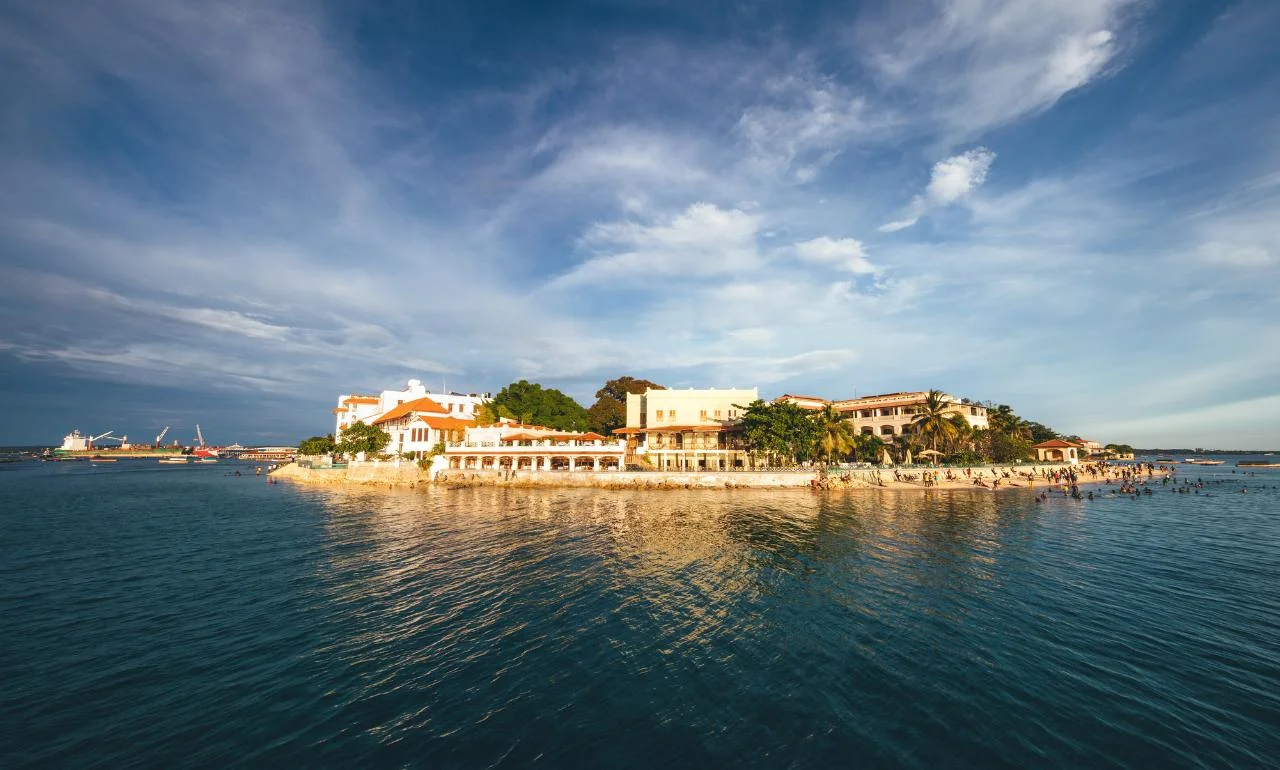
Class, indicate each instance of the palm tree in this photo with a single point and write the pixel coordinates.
(838, 437)
(868, 447)
(963, 438)
(932, 419)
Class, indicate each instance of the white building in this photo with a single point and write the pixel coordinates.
(511, 446)
(418, 426)
(355, 407)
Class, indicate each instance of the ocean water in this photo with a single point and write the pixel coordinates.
(156, 616)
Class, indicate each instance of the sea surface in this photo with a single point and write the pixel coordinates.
(165, 616)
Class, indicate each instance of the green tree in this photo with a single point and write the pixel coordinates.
(317, 445)
(619, 388)
(533, 404)
(932, 421)
(868, 447)
(610, 409)
(488, 413)
(606, 414)
(837, 434)
(360, 437)
(783, 432)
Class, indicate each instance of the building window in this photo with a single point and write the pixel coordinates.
(659, 414)
(702, 415)
(886, 430)
(717, 414)
(672, 414)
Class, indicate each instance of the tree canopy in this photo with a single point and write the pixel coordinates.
(531, 403)
(610, 409)
(317, 445)
(363, 438)
(781, 431)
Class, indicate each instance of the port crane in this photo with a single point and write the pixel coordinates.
(95, 438)
(199, 436)
(160, 438)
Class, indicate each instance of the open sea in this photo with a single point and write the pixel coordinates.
(178, 616)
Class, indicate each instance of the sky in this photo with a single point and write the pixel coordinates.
(230, 213)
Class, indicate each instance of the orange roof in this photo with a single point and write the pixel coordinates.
(522, 437)
(338, 410)
(448, 423)
(806, 398)
(410, 407)
(361, 400)
(1056, 443)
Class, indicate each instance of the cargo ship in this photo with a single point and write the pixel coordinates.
(76, 445)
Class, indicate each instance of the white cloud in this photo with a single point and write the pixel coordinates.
(844, 253)
(957, 176)
(801, 122)
(703, 240)
(952, 180)
(977, 64)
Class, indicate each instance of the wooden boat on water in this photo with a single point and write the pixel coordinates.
(1194, 461)
(1257, 464)
(102, 460)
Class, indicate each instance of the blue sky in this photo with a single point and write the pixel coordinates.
(228, 213)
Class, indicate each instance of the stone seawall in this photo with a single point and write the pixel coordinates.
(369, 474)
(409, 475)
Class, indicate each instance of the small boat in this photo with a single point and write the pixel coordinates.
(207, 460)
(1193, 461)
(102, 459)
(173, 460)
(1165, 460)
(1257, 464)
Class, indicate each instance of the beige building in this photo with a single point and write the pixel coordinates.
(1058, 451)
(686, 429)
(891, 414)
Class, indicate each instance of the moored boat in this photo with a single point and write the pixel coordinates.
(179, 460)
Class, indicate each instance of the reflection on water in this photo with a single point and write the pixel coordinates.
(284, 626)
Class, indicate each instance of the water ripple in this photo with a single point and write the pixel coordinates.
(191, 618)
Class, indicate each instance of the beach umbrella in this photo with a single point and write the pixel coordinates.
(886, 460)
(907, 461)
(930, 453)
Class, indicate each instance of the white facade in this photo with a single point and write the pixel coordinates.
(354, 407)
(510, 446)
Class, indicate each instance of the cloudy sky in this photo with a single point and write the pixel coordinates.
(228, 213)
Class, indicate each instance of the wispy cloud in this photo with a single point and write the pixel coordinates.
(220, 197)
(952, 179)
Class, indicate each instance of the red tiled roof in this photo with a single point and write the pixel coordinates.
(448, 423)
(411, 407)
(361, 400)
(1056, 443)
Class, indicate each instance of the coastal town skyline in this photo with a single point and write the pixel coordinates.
(226, 217)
